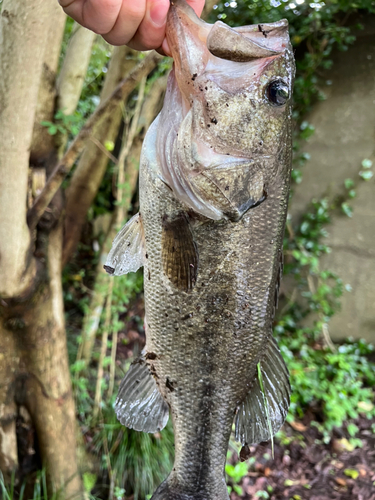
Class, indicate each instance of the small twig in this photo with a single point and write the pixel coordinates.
(104, 150)
(327, 337)
(291, 301)
(107, 455)
(311, 285)
(125, 152)
(103, 350)
(104, 109)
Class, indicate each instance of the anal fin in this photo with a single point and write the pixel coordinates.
(127, 250)
(253, 421)
(139, 404)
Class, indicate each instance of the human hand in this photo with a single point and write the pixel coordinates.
(140, 24)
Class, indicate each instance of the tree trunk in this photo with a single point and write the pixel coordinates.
(42, 142)
(22, 42)
(21, 47)
(74, 69)
(93, 162)
(34, 369)
(40, 378)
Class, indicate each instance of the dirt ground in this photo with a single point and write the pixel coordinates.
(308, 469)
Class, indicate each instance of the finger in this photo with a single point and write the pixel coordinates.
(197, 5)
(129, 18)
(96, 15)
(151, 31)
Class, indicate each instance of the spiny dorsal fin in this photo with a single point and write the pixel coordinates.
(179, 252)
(252, 424)
(139, 404)
(127, 250)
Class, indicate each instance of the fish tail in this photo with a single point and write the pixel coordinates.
(170, 489)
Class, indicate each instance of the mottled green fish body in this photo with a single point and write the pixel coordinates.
(214, 185)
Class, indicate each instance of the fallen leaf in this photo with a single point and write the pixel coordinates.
(353, 473)
(365, 406)
(340, 481)
(267, 471)
(298, 426)
(340, 445)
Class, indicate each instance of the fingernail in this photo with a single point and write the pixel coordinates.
(158, 13)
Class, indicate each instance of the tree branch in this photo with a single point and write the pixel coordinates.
(91, 167)
(65, 164)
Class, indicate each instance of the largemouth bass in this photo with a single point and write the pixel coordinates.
(214, 184)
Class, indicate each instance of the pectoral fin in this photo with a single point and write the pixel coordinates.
(139, 404)
(127, 250)
(179, 252)
(252, 422)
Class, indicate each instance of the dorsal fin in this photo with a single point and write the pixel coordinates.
(127, 250)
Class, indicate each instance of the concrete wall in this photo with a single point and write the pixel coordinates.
(345, 135)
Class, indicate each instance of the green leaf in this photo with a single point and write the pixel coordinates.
(109, 145)
(352, 429)
(346, 209)
(366, 163)
(353, 473)
(89, 481)
(349, 183)
(238, 489)
(366, 175)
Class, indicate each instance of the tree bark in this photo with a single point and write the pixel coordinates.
(39, 378)
(22, 42)
(42, 142)
(74, 69)
(49, 397)
(93, 162)
(9, 359)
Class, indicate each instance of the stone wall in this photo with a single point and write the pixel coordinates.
(345, 135)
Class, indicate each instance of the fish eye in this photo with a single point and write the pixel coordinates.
(277, 92)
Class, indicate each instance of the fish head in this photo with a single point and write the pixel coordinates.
(227, 112)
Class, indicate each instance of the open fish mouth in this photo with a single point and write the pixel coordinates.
(225, 126)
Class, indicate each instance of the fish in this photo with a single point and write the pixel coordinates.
(214, 184)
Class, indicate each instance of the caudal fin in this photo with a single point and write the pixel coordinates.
(170, 489)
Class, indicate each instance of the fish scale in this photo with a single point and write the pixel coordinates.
(213, 205)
